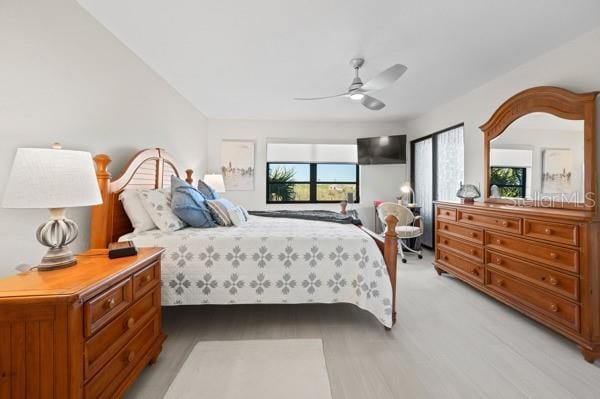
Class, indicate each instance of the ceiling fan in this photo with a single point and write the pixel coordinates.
(358, 91)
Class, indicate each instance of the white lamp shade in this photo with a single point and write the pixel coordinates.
(215, 182)
(51, 178)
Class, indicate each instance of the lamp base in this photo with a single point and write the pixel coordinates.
(57, 258)
(57, 233)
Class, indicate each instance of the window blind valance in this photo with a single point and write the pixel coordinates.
(314, 153)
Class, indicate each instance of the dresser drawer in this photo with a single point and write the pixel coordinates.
(443, 213)
(145, 280)
(555, 232)
(563, 258)
(464, 232)
(546, 304)
(554, 281)
(101, 309)
(491, 221)
(104, 384)
(467, 249)
(110, 339)
(464, 267)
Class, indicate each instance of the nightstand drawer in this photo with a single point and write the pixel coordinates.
(145, 280)
(110, 339)
(105, 383)
(100, 310)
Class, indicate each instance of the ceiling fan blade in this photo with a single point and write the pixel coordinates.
(323, 98)
(385, 78)
(372, 103)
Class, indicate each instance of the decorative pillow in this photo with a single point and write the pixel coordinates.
(158, 205)
(220, 210)
(189, 204)
(207, 191)
(245, 212)
(237, 215)
(139, 217)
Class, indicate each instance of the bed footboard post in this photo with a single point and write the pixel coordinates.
(99, 219)
(188, 176)
(390, 255)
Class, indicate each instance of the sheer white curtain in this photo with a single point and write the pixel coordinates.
(450, 160)
(423, 175)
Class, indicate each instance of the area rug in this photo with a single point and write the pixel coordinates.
(261, 369)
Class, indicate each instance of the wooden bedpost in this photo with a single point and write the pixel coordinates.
(99, 219)
(188, 176)
(390, 255)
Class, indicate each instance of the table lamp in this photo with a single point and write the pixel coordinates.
(215, 182)
(56, 179)
(406, 189)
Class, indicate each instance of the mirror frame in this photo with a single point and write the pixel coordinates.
(558, 102)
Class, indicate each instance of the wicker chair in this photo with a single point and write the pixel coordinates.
(409, 225)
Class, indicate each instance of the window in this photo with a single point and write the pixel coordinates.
(511, 181)
(311, 182)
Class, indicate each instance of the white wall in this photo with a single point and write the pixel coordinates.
(574, 66)
(65, 78)
(376, 181)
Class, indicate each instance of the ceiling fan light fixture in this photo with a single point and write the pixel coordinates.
(357, 96)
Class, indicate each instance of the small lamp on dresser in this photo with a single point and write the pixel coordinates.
(215, 181)
(55, 179)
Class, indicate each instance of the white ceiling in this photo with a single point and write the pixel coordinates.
(247, 59)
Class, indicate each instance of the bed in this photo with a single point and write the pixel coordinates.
(267, 260)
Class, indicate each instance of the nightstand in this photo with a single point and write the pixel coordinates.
(82, 331)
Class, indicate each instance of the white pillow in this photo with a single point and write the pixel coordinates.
(139, 217)
(158, 205)
(237, 215)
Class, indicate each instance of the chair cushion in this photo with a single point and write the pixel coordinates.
(189, 204)
(408, 231)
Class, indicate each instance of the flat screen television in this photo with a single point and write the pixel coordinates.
(382, 150)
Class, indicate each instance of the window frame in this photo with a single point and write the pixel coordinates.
(522, 186)
(313, 182)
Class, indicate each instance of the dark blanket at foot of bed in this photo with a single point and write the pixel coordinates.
(323, 216)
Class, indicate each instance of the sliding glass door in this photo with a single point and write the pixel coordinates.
(437, 168)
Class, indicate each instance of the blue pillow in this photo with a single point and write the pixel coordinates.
(189, 204)
(207, 191)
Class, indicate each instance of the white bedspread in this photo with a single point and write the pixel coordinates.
(271, 260)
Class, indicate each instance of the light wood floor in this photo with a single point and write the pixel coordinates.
(450, 342)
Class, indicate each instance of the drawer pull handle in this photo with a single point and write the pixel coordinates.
(446, 242)
(475, 272)
(548, 231)
(553, 307)
(553, 281)
(499, 241)
(445, 257)
(147, 278)
(473, 252)
(469, 217)
(447, 213)
(500, 282)
(130, 323)
(504, 223)
(110, 303)
(473, 234)
(445, 227)
(498, 261)
(131, 356)
(553, 255)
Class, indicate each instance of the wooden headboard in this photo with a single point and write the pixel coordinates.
(151, 168)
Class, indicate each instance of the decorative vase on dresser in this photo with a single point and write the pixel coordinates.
(82, 332)
(536, 247)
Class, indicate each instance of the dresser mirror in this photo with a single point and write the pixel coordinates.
(539, 156)
(539, 150)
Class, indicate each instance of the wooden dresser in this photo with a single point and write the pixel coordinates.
(534, 243)
(81, 332)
